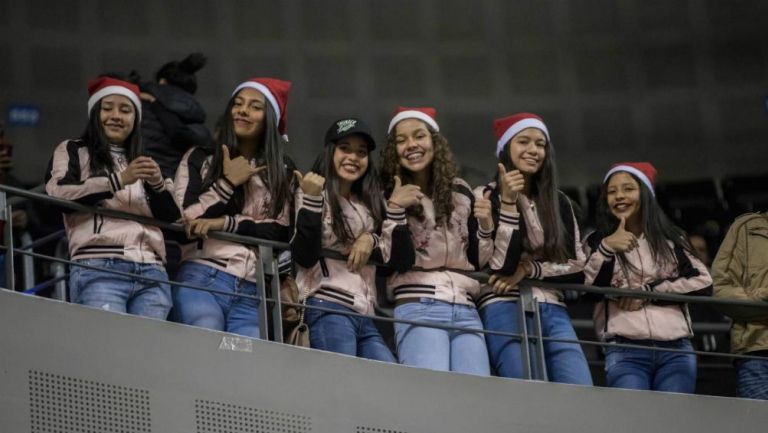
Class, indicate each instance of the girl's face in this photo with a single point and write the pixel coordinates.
(350, 158)
(248, 113)
(623, 193)
(527, 150)
(117, 117)
(414, 146)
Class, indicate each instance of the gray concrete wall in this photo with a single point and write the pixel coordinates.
(68, 368)
(682, 83)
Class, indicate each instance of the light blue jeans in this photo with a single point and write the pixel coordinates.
(101, 289)
(753, 378)
(565, 362)
(351, 335)
(216, 311)
(437, 349)
(650, 369)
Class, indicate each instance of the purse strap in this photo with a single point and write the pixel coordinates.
(303, 302)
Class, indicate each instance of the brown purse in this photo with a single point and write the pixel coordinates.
(296, 330)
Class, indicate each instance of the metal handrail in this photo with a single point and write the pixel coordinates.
(267, 245)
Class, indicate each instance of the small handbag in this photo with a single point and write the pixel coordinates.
(296, 330)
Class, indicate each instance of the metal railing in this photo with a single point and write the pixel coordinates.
(271, 306)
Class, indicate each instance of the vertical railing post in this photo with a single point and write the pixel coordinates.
(7, 215)
(534, 361)
(59, 270)
(28, 262)
(525, 344)
(267, 256)
(262, 292)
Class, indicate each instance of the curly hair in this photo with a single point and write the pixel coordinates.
(443, 171)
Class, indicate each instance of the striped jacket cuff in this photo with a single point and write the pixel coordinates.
(512, 218)
(158, 187)
(312, 203)
(230, 224)
(484, 234)
(606, 251)
(396, 214)
(536, 270)
(223, 188)
(115, 183)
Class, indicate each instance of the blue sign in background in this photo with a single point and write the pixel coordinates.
(23, 115)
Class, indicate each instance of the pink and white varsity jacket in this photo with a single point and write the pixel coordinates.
(328, 278)
(456, 244)
(246, 210)
(92, 235)
(510, 230)
(657, 320)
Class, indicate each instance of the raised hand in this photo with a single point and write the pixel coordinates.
(200, 227)
(237, 171)
(621, 240)
(141, 168)
(405, 196)
(360, 252)
(311, 183)
(482, 211)
(511, 184)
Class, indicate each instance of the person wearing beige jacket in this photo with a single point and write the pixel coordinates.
(740, 271)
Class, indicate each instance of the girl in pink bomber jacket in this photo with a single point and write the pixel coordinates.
(105, 168)
(438, 209)
(340, 207)
(636, 247)
(242, 187)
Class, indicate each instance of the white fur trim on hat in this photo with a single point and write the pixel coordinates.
(114, 90)
(264, 90)
(639, 174)
(412, 114)
(516, 128)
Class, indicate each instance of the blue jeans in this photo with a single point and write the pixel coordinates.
(565, 362)
(111, 292)
(753, 378)
(650, 369)
(216, 311)
(355, 336)
(437, 349)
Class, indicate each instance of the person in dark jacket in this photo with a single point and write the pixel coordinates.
(174, 121)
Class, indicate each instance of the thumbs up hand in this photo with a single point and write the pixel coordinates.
(511, 184)
(311, 183)
(237, 171)
(405, 196)
(621, 240)
(482, 211)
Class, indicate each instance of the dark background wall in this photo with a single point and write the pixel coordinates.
(680, 83)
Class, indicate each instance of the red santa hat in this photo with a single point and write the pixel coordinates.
(644, 171)
(105, 86)
(508, 127)
(276, 93)
(425, 114)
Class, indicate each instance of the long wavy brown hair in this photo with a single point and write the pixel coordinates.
(443, 171)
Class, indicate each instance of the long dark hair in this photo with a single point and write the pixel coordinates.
(270, 153)
(545, 195)
(367, 188)
(658, 229)
(97, 143)
(443, 171)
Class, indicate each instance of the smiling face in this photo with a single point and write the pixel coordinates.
(117, 116)
(248, 113)
(415, 149)
(350, 158)
(527, 150)
(623, 195)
